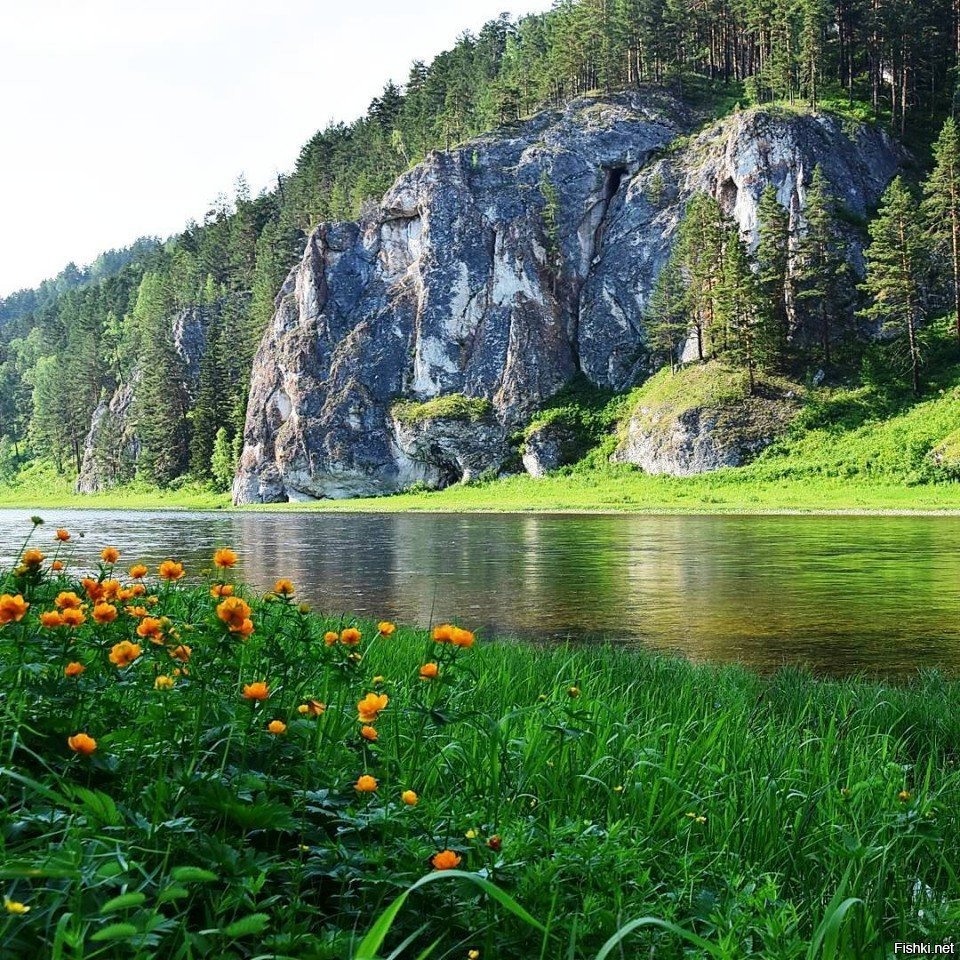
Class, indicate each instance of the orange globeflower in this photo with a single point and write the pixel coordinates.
(32, 559)
(233, 611)
(256, 691)
(73, 669)
(370, 706)
(73, 617)
(312, 708)
(277, 727)
(81, 743)
(429, 671)
(124, 653)
(443, 633)
(445, 860)
(284, 588)
(110, 589)
(246, 629)
(366, 784)
(150, 628)
(386, 628)
(163, 683)
(461, 638)
(138, 571)
(181, 653)
(220, 590)
(51, 619)
(93, 588)
(138, 590)
(12, 608)
(330, 638)
(369, 733)
(57, 565)
(110, 555)
(410, 798)
(171, 570)
(67, 600)
(224, 558)
(350, 637)
(62, 535)
(104, 613)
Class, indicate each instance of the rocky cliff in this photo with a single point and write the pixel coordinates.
(498, 272)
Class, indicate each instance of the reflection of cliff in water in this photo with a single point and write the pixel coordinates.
(841, 594)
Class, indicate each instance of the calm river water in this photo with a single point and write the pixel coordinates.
(841, 594)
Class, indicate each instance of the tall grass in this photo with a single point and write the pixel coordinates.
(602, 803)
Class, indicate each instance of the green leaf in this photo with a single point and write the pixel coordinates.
(248, 926)
(371, 943)
(116, 931)
(192, 875)
(124, 901)
(712, 949)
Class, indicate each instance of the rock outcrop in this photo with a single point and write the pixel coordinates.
(500, 271)
(703, 418)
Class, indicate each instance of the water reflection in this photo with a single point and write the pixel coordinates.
(880, 594)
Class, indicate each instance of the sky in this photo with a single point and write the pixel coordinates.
(126, 118)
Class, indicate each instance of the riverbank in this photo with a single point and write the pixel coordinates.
(610, 490)
(259, 798)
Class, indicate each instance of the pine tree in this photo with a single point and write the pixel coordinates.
(161, 405)
(222, 465)
(896, 272)
(773, 277)
(942, 207)
(739, 298)
(821, 267)
(665, 317)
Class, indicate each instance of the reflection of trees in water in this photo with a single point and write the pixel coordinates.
(836, 592)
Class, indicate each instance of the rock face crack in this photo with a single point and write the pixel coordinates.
(454, 287)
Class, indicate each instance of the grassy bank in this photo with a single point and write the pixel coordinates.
(558, 795)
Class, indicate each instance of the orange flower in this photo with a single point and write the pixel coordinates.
(495, 843)
(233, 611)
(429, 671)
(57, 565)
(138, 590)
(164, 683)
(366, 784)
(110, 589)
(445, 860)
(219, 590)
(461, 638)
(246, 628)
(81, 743)
(386, 628)
(256, 691)
(181, 653)
(370, 706)
(150, 628)
(312, 708)
(12, 608)
(350, 637)
(104, 613)
(110, 555)
(443, 633)
(124, 653)
(32, 559)
(51, 619)
(171, 570)
(277, 727)
(138, 571)
(73, 617)
(68, 600)
(224, 558)
(73, 669)
(137, 612)
(330, 638)
(369, 733)
(409, 798)
(284, 588)
(62, 535)
(93, 589)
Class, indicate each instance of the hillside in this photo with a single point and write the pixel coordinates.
(581, 258)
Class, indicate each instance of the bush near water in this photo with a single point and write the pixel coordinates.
(188, 770)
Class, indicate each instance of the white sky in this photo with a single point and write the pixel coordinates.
(124, 118)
